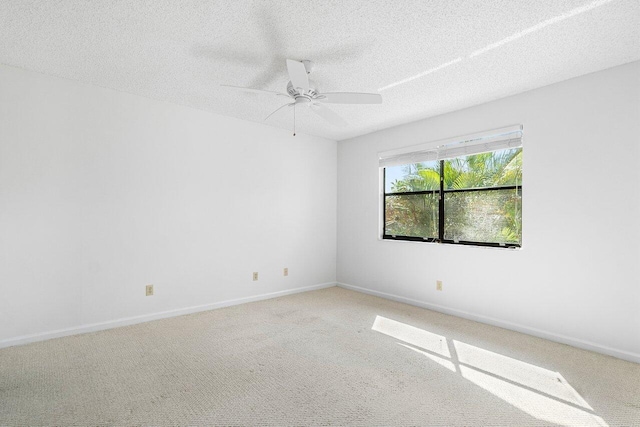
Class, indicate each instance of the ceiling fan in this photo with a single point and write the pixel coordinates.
(301, 92)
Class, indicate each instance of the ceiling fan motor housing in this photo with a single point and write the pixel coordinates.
(311, 93)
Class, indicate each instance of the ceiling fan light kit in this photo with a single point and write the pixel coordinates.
(300, 91)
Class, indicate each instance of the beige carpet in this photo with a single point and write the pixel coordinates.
(328, 357)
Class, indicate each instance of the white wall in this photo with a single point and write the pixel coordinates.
(102, 192)
(577, 277)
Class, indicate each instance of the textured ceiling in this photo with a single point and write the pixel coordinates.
(425, 57)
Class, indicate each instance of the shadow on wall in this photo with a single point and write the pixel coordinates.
(541, 393)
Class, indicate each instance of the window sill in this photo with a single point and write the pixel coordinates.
(450, 243)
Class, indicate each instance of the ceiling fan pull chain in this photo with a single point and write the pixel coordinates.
(294, 119)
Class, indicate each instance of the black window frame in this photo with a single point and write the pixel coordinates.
(441, 212)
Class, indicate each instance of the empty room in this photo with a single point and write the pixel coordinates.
(292, 213)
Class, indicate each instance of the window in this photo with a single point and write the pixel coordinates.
(466, 192)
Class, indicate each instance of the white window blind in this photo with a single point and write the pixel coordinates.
(493, 140)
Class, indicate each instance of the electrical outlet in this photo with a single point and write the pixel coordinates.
(149, 290)
(285, 272)
(255, 276)
(438, 285)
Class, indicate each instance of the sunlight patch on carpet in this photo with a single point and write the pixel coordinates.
(539, 392)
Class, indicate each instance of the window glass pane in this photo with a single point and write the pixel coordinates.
(423, 176)
(412, 215)
(483, 216)
(491, 169)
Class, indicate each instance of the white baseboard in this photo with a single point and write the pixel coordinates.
(563, 339)
(93, 327)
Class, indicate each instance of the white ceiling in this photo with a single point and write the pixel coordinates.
(461, 53)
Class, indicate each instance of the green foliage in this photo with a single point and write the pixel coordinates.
(484, 170)
(494, 216)
(414, 215)
(418, 177)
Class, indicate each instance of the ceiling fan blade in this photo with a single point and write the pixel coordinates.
(251, 90)
(298, 74)
(329, 115)
(278, 109)
(351, 98)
